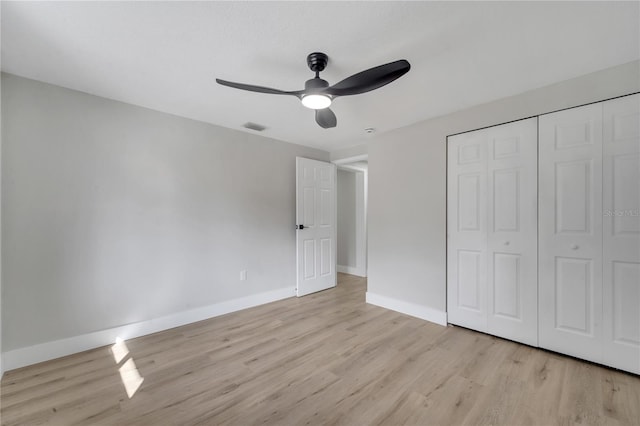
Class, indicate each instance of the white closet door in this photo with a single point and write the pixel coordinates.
(570, 232)
(512, 268)
(467, 230)
(492, 223)
(621, 254)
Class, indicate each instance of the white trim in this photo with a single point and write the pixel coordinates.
(50, 350)
(360, 269)
(335, 225)
(351, 270)
(418, 311)
(361, 222)
(353, 159)
(361, 177)
(350, 168)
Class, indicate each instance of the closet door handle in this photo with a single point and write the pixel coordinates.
(575, 247)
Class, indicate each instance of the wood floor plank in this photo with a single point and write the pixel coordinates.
(324, 359)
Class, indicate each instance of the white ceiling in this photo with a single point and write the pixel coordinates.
(166, 55)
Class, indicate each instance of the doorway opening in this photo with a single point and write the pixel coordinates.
(352, 189)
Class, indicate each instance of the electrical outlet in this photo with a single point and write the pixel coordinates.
(243, 275)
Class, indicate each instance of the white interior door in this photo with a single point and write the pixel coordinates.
(621, 236)
(315, 225)
(570, 232)
(512, 269)
(467, 230)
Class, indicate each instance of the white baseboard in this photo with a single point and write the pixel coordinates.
(418, 311)
(50, 350)
(351, 270)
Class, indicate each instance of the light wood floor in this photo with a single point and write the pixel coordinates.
(327, 358)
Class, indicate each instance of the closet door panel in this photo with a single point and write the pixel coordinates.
(621, 236)
(512, 231)
(492, 239)
(570, 232)
(466, 229)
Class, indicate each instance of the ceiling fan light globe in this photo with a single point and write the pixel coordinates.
(315, 101)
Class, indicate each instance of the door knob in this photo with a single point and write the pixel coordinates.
(299, 226)
(506, 243)
(575, 247)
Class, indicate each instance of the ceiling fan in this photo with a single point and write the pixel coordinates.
(317, 93)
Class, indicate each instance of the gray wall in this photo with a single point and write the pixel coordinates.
(346, 244)
(353, 151)
(114, 214)
(407, 183)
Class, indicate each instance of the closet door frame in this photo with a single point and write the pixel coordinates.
(615, 345)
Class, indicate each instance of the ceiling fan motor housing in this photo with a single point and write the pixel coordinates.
(315, 85)
(317, 61)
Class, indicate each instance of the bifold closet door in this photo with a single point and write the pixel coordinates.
(467, 230)
(589, 288)
(570, 231)
(492, 224)
(621, 233)
(512, 240)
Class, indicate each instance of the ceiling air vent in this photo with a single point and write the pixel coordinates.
(254, 126)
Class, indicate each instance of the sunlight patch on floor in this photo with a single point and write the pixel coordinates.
(130, 377)
(119, 350)
(129, 374)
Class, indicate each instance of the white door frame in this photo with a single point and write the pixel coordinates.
(361, 219)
